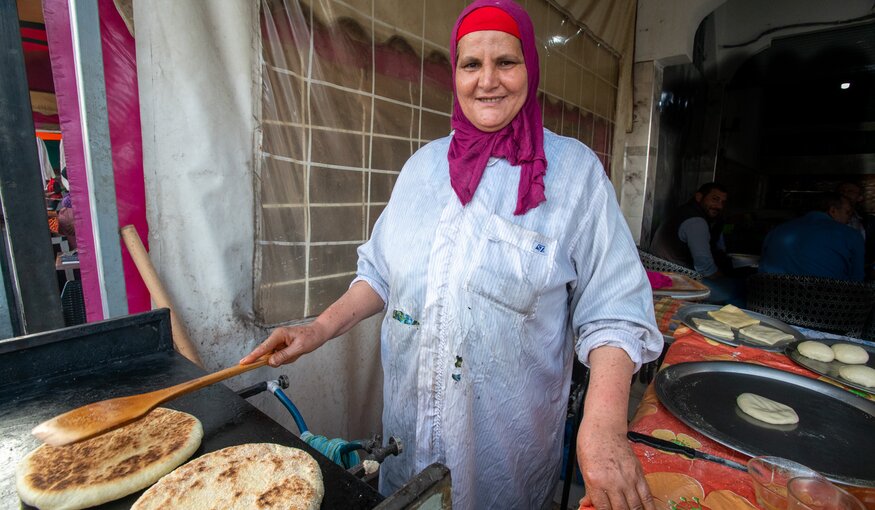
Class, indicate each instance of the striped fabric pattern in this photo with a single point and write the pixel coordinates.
(480, 381)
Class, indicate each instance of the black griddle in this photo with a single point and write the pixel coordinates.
(833, 436)
(46, 374)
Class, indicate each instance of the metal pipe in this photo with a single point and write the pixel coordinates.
(97, 152)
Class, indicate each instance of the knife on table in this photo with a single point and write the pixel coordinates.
(686, 451)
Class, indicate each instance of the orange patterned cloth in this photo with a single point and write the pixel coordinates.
(681, 483)
(665, 308)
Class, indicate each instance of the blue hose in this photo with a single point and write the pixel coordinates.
(340, 451)
(296, 415)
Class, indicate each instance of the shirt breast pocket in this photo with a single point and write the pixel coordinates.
(511, 265)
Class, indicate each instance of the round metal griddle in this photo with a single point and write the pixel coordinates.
(831, 369)
(833, 436)
(687, 313)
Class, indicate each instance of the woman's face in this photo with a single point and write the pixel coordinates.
(491, 78)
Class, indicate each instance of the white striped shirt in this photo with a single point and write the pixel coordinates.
(480, 381)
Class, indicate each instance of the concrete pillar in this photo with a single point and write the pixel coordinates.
(641, 151)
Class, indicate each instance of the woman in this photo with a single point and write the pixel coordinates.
(500, 245)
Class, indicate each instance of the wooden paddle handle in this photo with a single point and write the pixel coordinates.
(159, 294)
(201, 382)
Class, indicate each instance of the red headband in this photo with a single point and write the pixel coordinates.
(488, 18)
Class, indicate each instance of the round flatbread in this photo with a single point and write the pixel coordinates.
(850, 354)
(258, 475)
(109, 466)
(766, 409)
(816, 350)
(859, 374)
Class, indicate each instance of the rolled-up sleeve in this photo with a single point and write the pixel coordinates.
(612, 302)
(372, 268)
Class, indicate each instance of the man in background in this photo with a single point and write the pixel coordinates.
(818, 244)
(854, 193)
(693, 237)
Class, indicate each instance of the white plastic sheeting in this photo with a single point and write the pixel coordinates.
(198, 65)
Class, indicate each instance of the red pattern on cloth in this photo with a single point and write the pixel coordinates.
(665, 308)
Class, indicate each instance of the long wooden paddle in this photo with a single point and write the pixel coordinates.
(94, 419)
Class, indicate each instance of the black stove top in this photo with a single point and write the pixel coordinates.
(47, 374)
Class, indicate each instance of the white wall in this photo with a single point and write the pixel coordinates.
(739, 21)
(666, 28)
(198, 82)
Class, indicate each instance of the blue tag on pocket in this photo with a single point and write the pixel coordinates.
(540, 248)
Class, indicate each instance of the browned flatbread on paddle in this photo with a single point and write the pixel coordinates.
(257, 475)
(109, 466)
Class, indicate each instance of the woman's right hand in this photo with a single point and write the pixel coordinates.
(289, 343)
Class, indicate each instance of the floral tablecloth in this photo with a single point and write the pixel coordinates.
(679, 482)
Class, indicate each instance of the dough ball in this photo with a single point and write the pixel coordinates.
(767, 410)
(859, 374)
(850, 354)
(816, 351)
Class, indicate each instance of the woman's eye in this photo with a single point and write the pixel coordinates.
(470, 65)
(507, 63)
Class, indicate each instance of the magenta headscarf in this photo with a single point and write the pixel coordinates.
(521, 142)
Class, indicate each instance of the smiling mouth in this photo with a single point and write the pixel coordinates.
(490, 99)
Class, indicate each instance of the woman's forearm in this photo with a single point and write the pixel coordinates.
(355, 305)
(607, 398)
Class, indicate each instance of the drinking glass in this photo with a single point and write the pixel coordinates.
(819, 494)
(770, 476)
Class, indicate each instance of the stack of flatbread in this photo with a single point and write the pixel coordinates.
(729, 318)
(257, 475)
(733, 317)
(765, 334)
(712, 327)
(109, 466)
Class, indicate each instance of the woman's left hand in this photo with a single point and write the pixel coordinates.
(612, 474)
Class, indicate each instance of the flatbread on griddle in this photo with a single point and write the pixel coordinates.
(257, 475)
(733, 317)
(109, 466)
(766, 409)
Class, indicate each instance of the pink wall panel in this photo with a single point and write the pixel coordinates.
(127, 153)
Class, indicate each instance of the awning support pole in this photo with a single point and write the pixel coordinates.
(97, 150)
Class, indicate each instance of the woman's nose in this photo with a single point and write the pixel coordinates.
(489, 77)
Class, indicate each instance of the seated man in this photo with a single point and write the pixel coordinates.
(817, 244)
(693, 237)
(854, 193)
